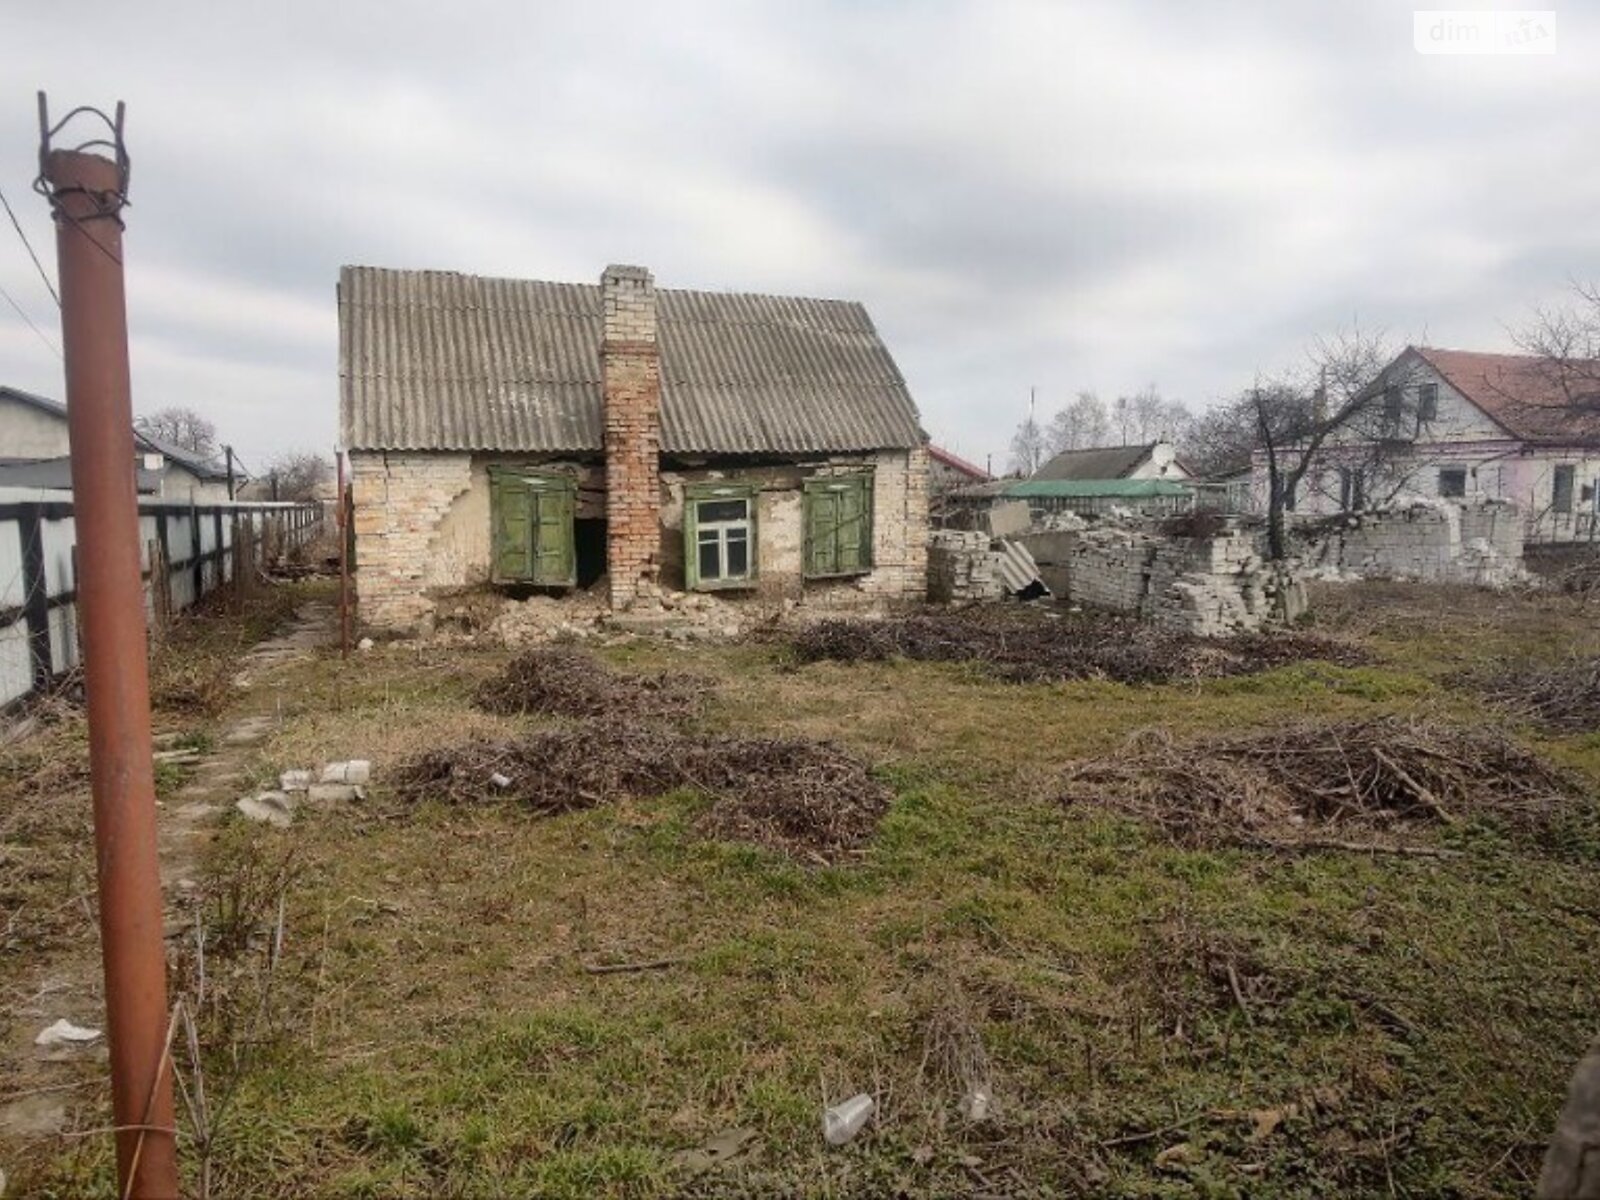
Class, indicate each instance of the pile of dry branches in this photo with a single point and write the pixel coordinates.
(1304, 784)
(1563, 696)
(565, 682)
(811, 799)
(1032, 645)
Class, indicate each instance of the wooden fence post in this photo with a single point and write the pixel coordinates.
(36, 597)
(197, 562)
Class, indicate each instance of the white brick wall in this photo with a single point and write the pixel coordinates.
(399, 501)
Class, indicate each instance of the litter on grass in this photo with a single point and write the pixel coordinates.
(813, 800)
(559, 681)
(1034, 645)
(64, 1031)
(843, 1121)
(270, 808)
(1298, 782)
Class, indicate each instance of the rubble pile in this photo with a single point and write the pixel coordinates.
(581, 615)
(542, 618)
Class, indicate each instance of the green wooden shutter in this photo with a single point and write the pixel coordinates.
(554, 558)
(822, 529)
(691, 542)
(855, 530)
(511, 506)
(838, 525)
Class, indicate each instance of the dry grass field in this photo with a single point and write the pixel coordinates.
(473, 995)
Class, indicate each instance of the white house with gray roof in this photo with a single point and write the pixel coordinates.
(535, 436)
(35, 453)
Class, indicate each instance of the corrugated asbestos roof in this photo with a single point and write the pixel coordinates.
(1090, 488)
(1099, 462)
(434, 360)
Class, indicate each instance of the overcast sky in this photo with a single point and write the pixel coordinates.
(1064, 196)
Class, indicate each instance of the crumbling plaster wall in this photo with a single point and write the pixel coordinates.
(423, 527)
(398, 502)
(899, 527)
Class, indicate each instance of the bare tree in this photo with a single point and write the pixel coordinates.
(1146, 414)
(1079, 425)
(1567, 341)
(1355, 409)
(1028, 447)
(1219, 440)
(181, 427)
(1122, 418)
(1176, 420)
(296, 474)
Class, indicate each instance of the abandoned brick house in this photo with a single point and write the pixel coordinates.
(547, 436)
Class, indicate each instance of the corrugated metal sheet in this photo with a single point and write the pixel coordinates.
(433, 360)
(1017, 568)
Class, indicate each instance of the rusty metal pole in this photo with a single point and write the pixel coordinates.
(344, 558)
(94, 330)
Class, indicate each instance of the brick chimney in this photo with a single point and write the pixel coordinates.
(630, 373)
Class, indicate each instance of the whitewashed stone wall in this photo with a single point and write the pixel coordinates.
(1432, 541)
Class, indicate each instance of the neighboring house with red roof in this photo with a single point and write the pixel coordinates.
(1477, 427)
(947, 471)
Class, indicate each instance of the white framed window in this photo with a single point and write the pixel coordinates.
(719, 536)
(1427, 402)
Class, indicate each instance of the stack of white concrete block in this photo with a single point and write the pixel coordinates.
(1207, 586)
(962, 566)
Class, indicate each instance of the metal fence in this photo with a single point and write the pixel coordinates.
(38, 576)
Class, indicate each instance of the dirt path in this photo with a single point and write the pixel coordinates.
(219, 778)
(44, 1086)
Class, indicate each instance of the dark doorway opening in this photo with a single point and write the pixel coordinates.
(589, 542)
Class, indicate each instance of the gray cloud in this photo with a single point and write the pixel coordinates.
(1023, 193)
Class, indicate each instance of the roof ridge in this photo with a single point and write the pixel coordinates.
(722, 293)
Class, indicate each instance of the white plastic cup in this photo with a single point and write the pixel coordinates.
(842, 1122)
(975, 1104)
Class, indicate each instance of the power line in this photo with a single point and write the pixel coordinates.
(29, 321)
(79, 224)
(27, 245)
